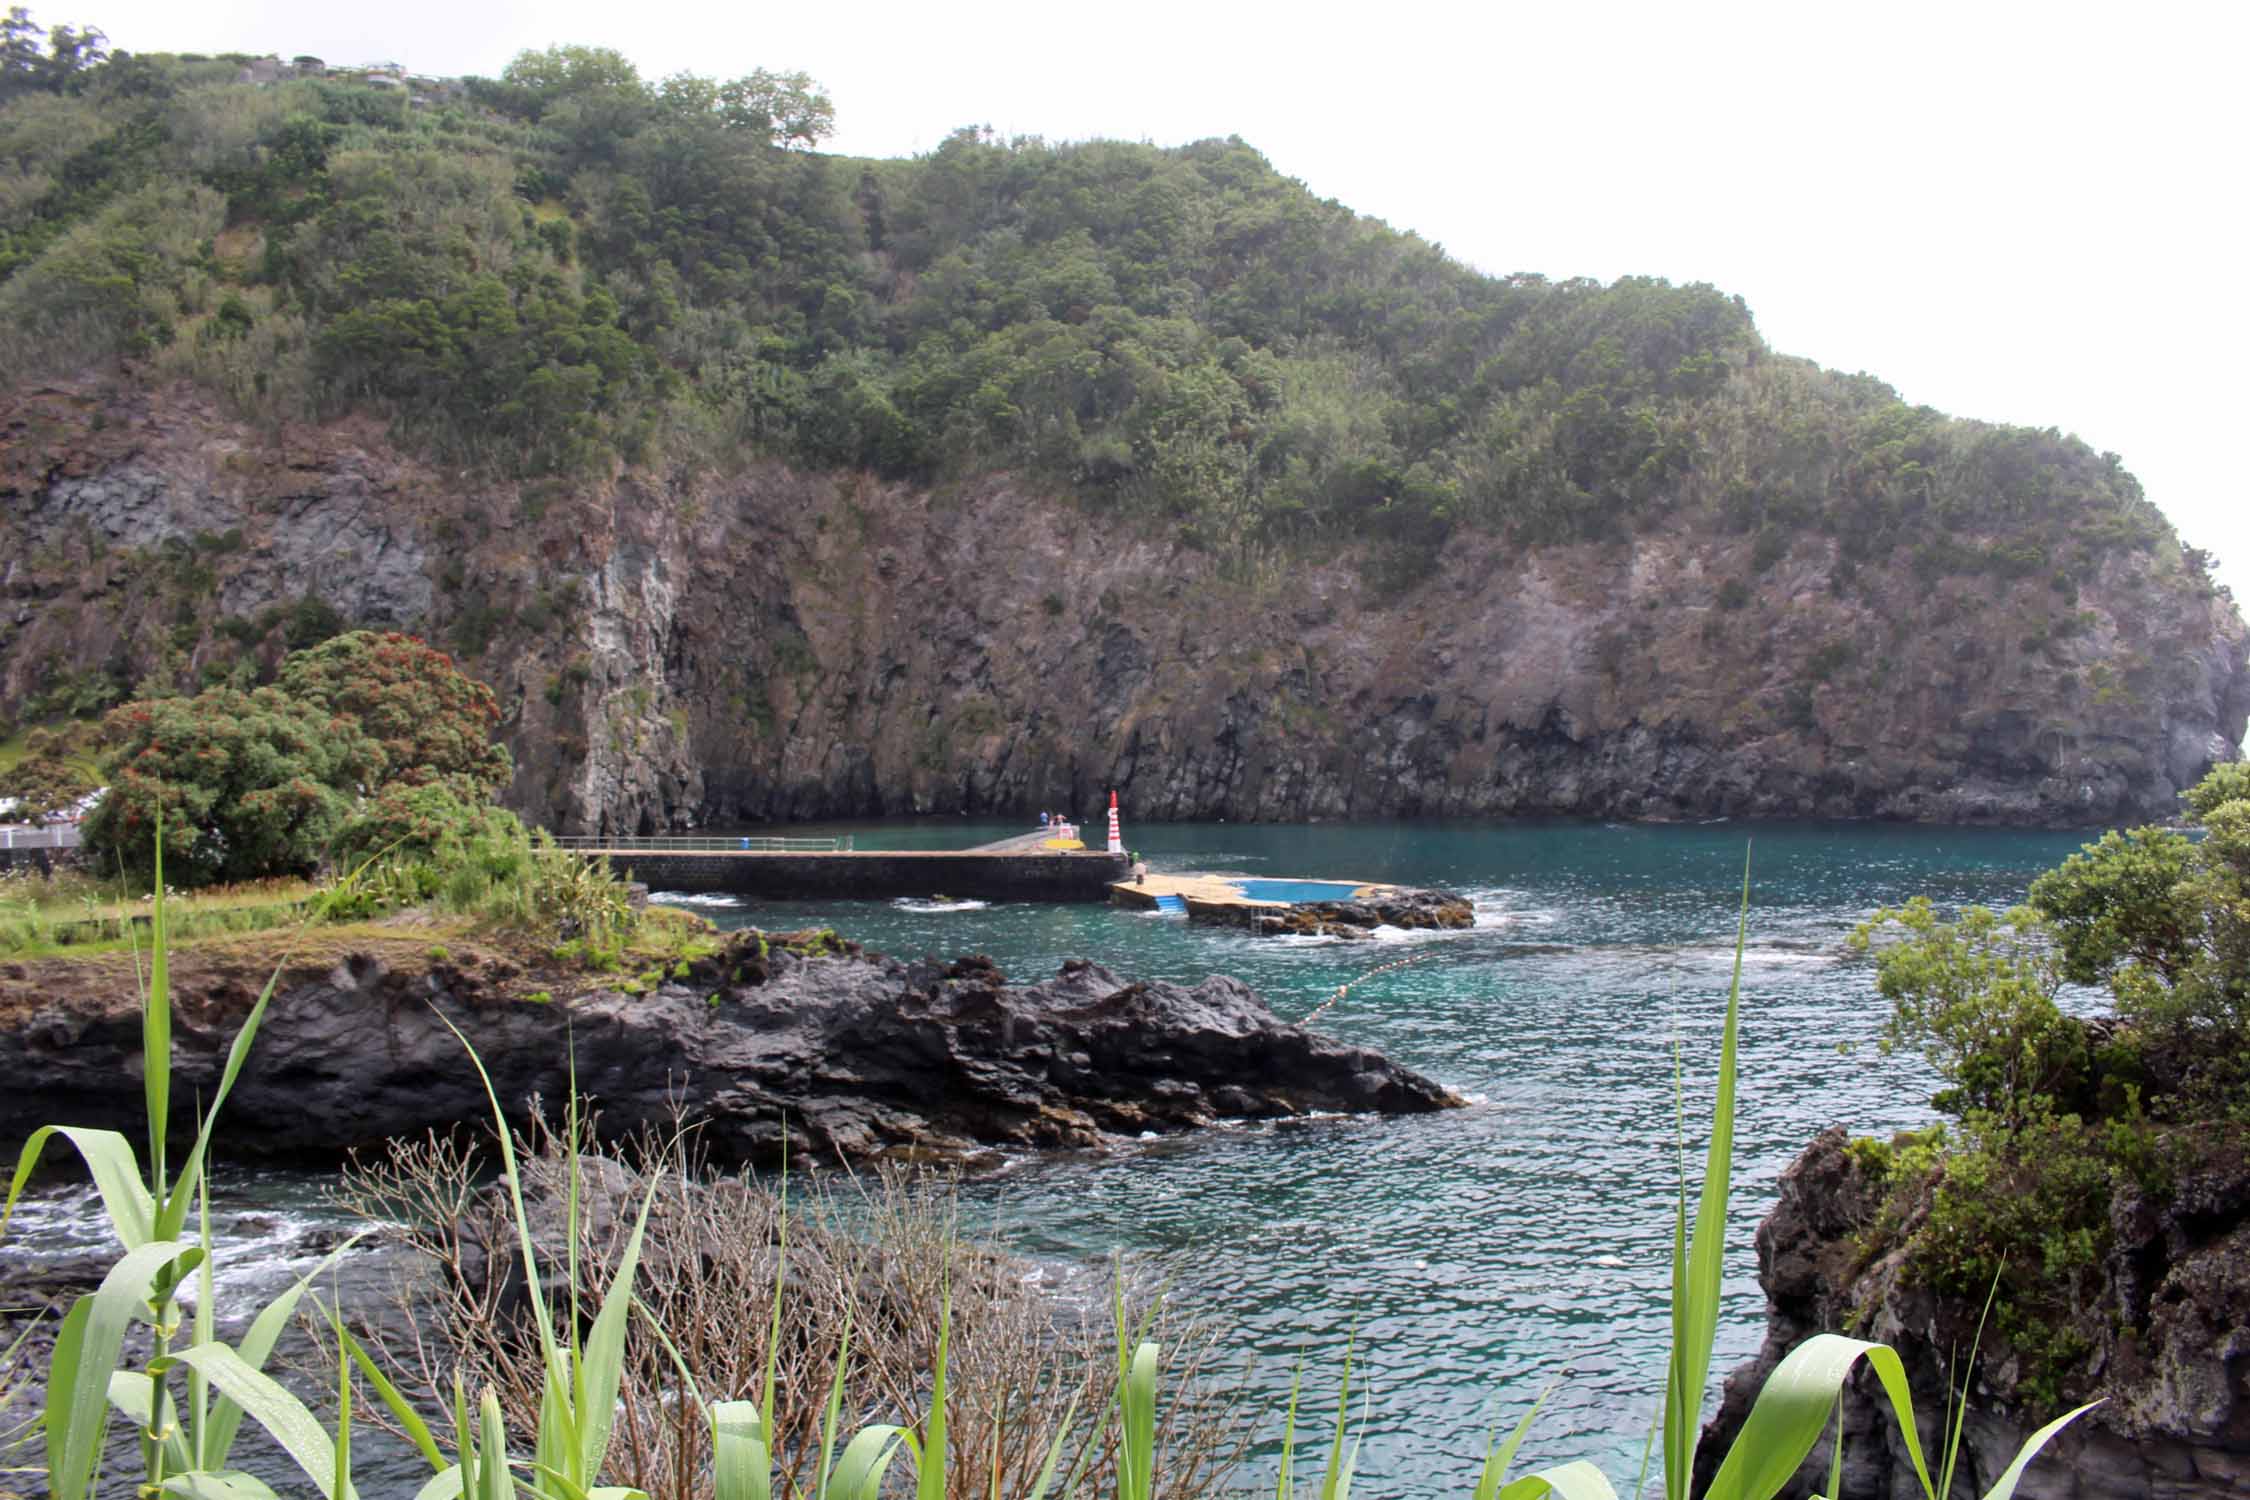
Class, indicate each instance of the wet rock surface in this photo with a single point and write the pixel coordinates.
(2172, 1360)
(841, 1055)
(1408, 909)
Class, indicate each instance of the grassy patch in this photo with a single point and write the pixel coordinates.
(70, 914)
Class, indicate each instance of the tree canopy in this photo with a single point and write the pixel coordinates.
(27, 67)
(431, 722)
(244, 785)
(372, 742)
(2160, 917)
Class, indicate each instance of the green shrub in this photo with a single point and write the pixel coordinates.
(1977, 997)
(1772, 546)
(1830, 659)
(444, 823)
(246, 785)
(110, 287)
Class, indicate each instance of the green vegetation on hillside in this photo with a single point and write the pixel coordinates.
(44, 770)
(571, 267)
(2052, 1118)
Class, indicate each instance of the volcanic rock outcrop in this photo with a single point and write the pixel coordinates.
(1357, 918)
(838, 1054)
(2173, 1360)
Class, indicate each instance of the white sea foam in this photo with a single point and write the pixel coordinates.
(1780, 958)
(1413, 936)
(917, 903)
(683, 898)
(1501, 907)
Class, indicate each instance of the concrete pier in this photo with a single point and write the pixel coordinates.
(870, 875)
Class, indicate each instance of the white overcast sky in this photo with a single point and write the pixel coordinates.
(2022, 212)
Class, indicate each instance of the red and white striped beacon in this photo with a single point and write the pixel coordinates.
(1116, 839)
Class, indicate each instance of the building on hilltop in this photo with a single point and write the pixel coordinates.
(271, 69)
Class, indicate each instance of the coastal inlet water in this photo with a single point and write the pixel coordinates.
(1479, 1254)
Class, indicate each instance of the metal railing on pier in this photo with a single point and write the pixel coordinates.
(55, 836)
(704, 844)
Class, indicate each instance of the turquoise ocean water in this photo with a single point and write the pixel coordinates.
(1484, 1253)
(1481, 1253)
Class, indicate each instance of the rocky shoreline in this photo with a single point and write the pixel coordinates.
(834, 1054)
(1355, 919)
(2173, 1369)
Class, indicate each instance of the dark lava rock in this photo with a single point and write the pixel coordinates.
(1412, 909)
(2173, 1362)
(839, 1054)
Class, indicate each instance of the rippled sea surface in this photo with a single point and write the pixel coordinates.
(1480, 1254)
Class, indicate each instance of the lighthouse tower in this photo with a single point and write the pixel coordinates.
(1116, 839)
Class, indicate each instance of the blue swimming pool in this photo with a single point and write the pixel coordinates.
(1295, 890)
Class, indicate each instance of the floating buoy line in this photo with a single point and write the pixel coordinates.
(1346, 987)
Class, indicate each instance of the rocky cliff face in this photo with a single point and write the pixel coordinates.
(680, 649)
(2173, 1365)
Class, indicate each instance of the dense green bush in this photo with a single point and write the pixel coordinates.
(52, 774)
(117, 284)
(443, 824)
(433, 723)
(1976, 996)
(2052, 1116)
(373, 745)
(244, 785)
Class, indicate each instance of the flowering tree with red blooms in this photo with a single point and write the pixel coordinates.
(433, 723)
(246, 785)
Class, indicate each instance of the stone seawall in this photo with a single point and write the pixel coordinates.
(877, 876)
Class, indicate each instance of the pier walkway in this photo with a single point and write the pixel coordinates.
(717, 865)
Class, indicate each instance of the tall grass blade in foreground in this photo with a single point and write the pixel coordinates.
(1806, 1390)
(1498, 1455)
(182, 1452)
(1696, 1265)
(579, 1392)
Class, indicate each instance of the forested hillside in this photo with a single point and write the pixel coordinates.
(572, 289)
